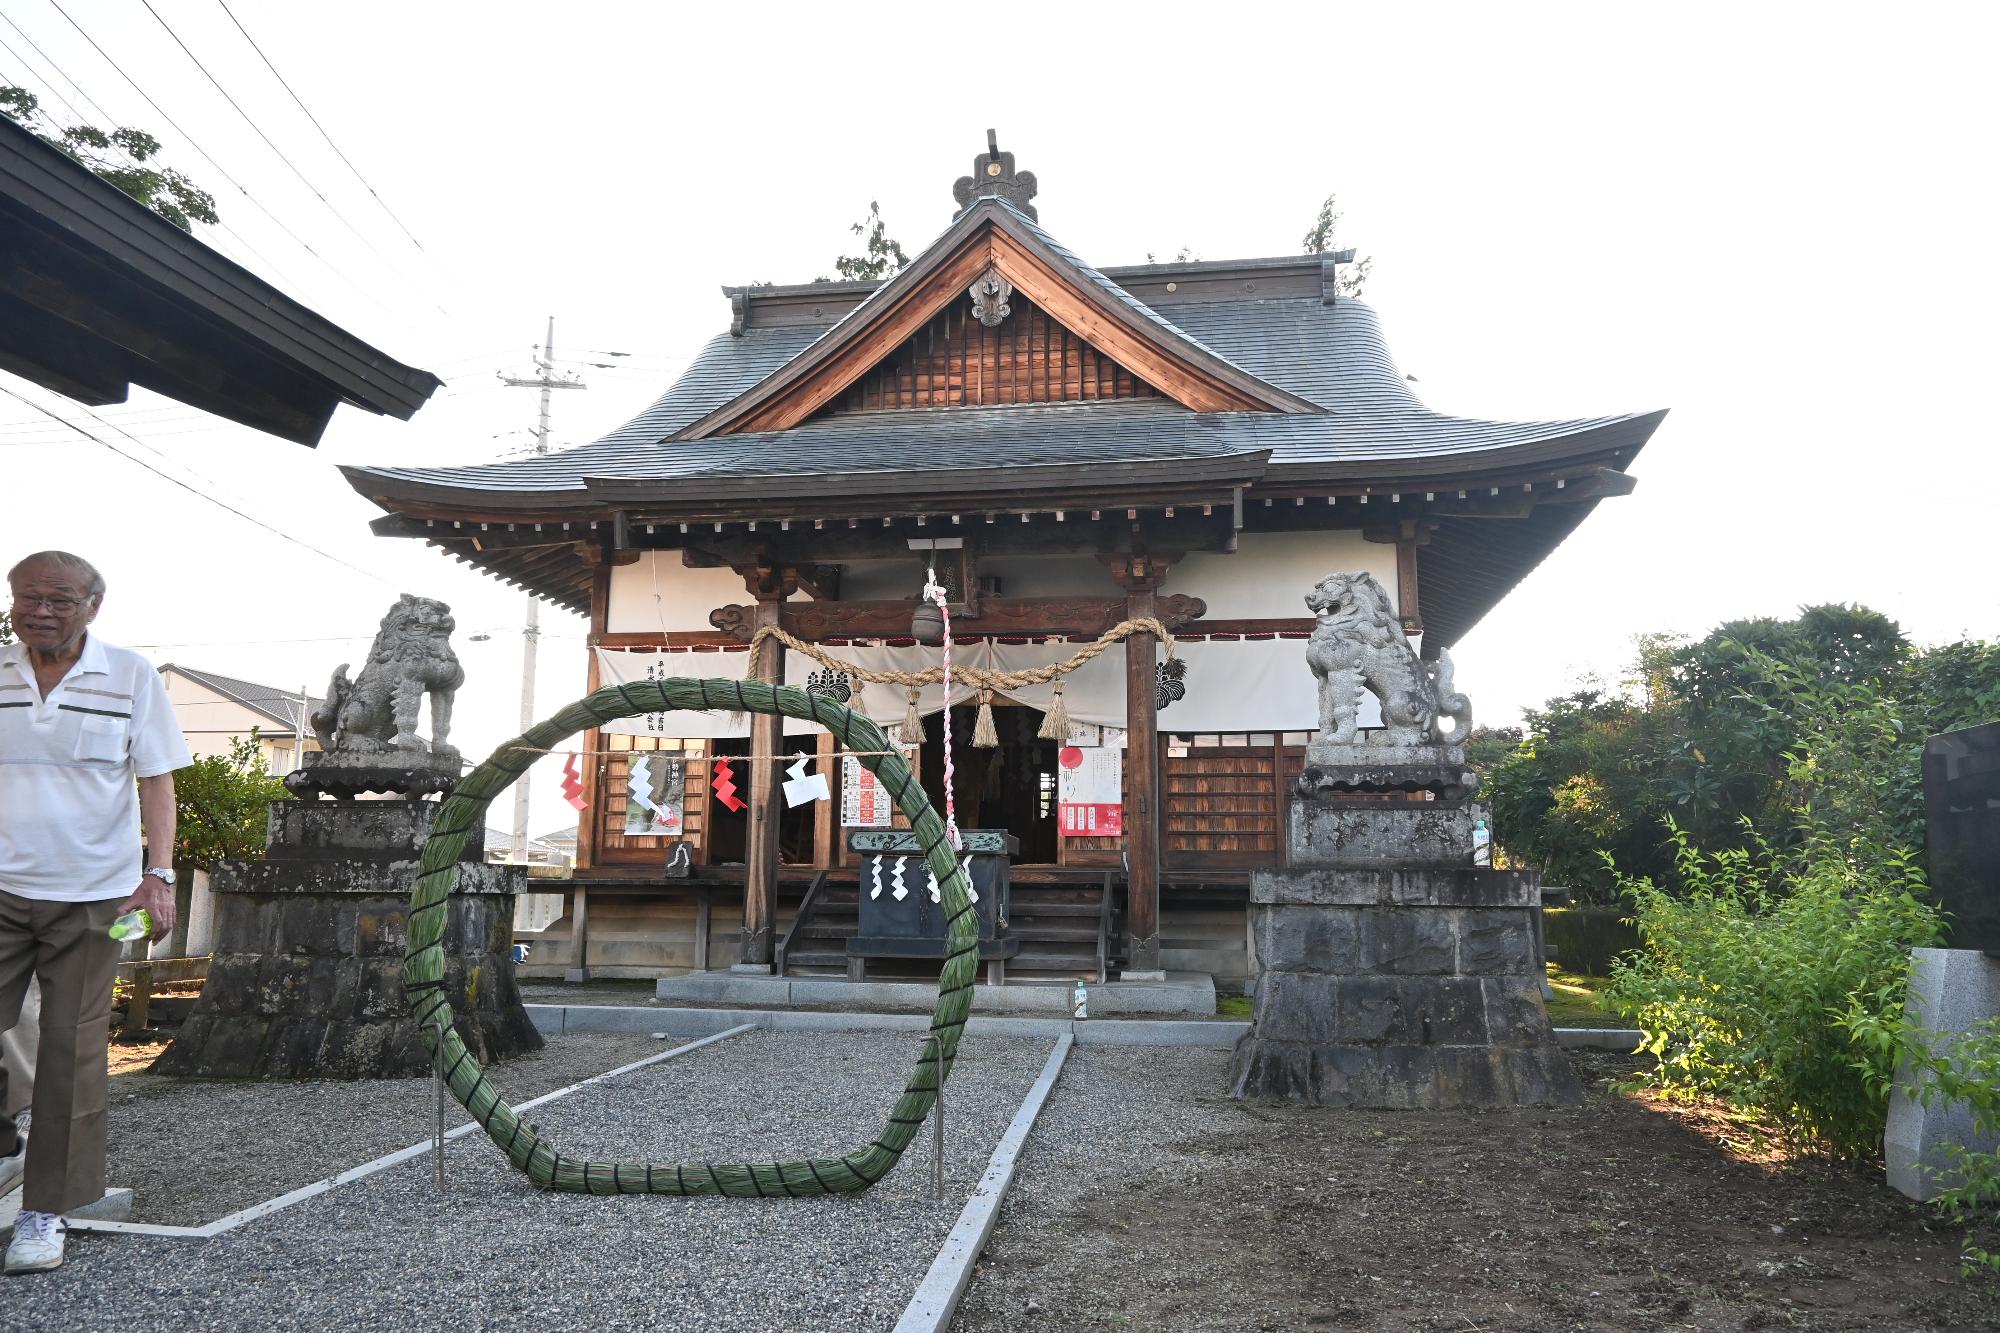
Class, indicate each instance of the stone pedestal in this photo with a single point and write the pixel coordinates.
(306, 978)
(1395, 972)
(1951, 991)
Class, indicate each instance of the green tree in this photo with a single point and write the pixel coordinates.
(881, 253)
(162, 189)
(221, 803)
(1319, 239)
(6, 627)
(1799, 728)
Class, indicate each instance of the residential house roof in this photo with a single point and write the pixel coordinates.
(280, 706)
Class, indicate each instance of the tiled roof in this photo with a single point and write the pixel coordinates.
(1333, 356)
(281, 706)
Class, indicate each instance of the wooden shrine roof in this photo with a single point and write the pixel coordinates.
(1371, 426)
(1316, 411)
(98, 292)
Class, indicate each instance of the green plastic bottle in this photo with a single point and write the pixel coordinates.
(134, 925)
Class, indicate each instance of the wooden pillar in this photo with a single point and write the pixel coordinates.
(590, 766)
(826, 814)
(701, 924)
(579, 935)
(1140, 574)
(760, 858)
(1142, 793)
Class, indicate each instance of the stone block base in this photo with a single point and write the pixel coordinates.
(311, 986)
(1395, 973)
(1402, 1042)
(1951, 991)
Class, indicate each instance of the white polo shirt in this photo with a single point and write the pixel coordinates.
(69, 764)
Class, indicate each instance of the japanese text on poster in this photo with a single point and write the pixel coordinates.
(864, 803)
(1089, 799)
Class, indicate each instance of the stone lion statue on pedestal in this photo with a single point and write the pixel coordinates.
(376, 713)
(1358, 643)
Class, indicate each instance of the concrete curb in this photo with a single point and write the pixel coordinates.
(555, 1020)
(558, 1020)
(938, 1295)
(1180, 993)
(1622, 1040)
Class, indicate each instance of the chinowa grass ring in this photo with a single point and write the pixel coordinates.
(526, 1148)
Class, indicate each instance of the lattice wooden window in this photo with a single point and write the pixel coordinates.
(614, 847)
(955, 361)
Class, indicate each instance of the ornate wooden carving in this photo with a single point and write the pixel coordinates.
(990, 293)
(736, 620)
(993, 175)
(998, 617)
(1139, 571)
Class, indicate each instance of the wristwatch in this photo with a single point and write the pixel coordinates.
(164, 874)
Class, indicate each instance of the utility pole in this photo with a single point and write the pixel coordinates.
(546, 380)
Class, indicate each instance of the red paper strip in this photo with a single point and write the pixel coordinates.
(724, 787)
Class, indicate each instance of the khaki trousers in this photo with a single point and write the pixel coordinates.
(17, 1052)
(65, 945)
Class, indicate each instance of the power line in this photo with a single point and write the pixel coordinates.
(156, 414)
(322, 129)
(157, 435)
(209, 158)
(140, 462)
(81, 95)
(105, 117)
(279, 152)
(30, 67)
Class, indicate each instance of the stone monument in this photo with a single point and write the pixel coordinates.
(1395, 971)
(1956, 989)
(306, 976)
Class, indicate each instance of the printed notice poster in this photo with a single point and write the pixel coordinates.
(1089, 799)
(864, 803)
(657, 789)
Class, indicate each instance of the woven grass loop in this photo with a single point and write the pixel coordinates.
(526, 1148)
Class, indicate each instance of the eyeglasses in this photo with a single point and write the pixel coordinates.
(62, 606)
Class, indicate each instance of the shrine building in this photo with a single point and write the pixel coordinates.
(1069, 449)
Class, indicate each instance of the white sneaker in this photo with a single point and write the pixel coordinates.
(12, 1167)
(38, 1243)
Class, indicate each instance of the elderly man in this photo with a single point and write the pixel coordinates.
(80, 720)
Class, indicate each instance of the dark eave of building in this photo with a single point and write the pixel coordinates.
(98, 293)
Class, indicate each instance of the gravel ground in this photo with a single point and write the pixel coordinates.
(496, 1254)
(330, 1126)
(1147, 1199)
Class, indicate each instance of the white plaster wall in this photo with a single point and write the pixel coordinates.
(1270, 572)
(686, 596)
(1268, 575)
(1066, 575)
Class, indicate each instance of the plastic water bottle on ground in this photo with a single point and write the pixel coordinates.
(1482, 844)
(1080, 1008)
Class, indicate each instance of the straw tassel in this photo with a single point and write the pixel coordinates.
(1055, 722)
(912, 731)
(985, 736)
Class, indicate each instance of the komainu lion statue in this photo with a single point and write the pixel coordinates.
(377, 712)
(1357, 643)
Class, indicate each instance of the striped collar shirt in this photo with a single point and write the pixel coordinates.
(69, 800)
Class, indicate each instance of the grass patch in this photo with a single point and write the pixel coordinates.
(1579, 1001)
(1235, 1006)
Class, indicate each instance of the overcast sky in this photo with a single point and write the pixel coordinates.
(1774, 220)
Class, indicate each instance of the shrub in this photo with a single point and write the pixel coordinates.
(1755, 979)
